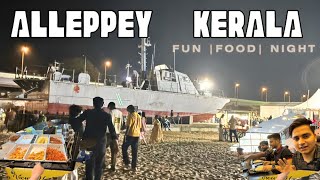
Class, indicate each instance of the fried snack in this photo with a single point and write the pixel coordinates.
(54, 140)
(36, 156)
(18, 153)
(42, 140)
(259, 169)
(266, 168)
(55, 155)
(257, 161)
(14, 137)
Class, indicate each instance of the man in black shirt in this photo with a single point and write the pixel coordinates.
(97, 121)
(279, 151)
(308, 152)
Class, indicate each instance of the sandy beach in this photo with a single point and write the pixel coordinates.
(182, 155)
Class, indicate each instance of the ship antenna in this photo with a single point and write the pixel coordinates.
(145, 42)
(128, 66)
(153, 56)
(85, 63)
(174, 61)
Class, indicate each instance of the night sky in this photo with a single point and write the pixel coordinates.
(172, 23)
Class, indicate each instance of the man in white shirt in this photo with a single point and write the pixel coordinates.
(117, 120)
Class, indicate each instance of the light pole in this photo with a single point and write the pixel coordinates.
(24, 50)
(107, 64)
(236, 90)
(284, 96)
(264, 90)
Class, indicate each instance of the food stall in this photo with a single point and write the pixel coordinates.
(23, 149)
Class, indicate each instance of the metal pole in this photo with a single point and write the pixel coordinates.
(85, 64)
(266, 95)
(237, 92)
(73, 75)
(174, 61)
(284, 97)
(22, 59)
(289, 98)
(105, 73)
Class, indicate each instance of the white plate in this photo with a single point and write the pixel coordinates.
(23, 146)
(59, 147)
(58, 136)
(35, 148)
(40, 136)
(25, 139)
(6, 148)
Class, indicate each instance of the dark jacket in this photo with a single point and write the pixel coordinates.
(97, 122)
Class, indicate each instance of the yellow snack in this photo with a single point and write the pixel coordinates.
(266, 168)
(257, 161)
(42, 140)
(259, 169)
(36, 156)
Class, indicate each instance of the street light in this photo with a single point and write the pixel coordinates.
(24, 50)
(303, 97)
(205, 85)
(236, 90)
(284, 96)
(107, 64)
(262, 91)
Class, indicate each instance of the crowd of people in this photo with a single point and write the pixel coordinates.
(102, 129)
(12, 119)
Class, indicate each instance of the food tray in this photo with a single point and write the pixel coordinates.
(26, 139)
(56, 147)
(14, 137)
(36, 148)
(24, 148)
(5, 148)
(42, 139)
(56, 136)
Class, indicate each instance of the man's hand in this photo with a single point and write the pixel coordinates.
(36, 171)
(286, 166)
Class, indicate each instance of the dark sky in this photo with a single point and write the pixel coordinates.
(172, 23)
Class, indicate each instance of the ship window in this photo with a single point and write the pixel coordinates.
(186, 79)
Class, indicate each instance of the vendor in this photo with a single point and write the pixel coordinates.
(305, 142)
(49, 129)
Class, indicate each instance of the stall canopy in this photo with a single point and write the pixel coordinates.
(313, 103)
(253, 137)
(276, 125)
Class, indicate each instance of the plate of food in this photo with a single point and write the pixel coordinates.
(56, 139)
(17, 153)
(36, 152)
(25, 139)
(42, 139)
(14, 137)
(56, 153)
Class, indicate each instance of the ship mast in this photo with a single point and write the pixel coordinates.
(145, 42)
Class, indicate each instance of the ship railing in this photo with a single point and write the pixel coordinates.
(24, 75)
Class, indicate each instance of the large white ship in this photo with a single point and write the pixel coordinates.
(158, 92)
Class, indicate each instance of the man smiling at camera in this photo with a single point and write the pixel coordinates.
(305, 142)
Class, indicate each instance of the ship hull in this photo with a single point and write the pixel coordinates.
(64, 94)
